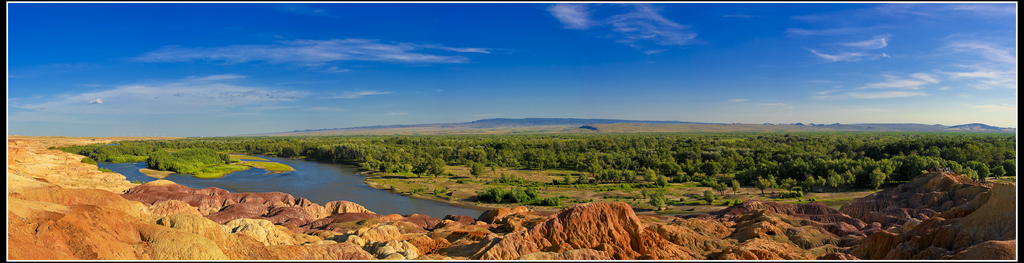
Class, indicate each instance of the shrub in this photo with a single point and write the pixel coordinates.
(88, 161)
(548, 201)
(791, 194)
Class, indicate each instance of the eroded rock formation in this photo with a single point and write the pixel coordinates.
(59, 208)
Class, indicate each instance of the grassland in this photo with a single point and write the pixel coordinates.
(461, 189)
(218, 171)
(246, 157)
(155, 173)
(270, 166)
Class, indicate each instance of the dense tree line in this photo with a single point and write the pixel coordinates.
(809, 160)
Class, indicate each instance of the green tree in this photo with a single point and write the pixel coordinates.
(998, 172)
(650, 175)
(477, 169)
(709, 196)
(629, 176)
(762, 184)
(833, 180)
(567, 179)
(735, 186)
(662, 181)
(877, 178)
(657, 199)
(720, 187)
(788, 184)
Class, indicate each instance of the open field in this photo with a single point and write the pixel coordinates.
(270, 166)
(246, 157)
(155, 173)
(217, 171)
(462, 189)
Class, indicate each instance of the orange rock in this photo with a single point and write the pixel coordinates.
(609, 227)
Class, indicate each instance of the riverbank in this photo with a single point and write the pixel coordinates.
(155, 173)
(462, 187)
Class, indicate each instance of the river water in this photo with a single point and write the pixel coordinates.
(318, 182)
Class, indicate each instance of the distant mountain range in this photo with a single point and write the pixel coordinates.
(573, 125)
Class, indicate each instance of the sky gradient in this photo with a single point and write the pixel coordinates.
(205, 69)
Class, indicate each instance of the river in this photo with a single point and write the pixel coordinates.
(318, 182)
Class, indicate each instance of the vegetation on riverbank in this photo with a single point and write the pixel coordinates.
(269, 166)
(218, 171)
(583, 168)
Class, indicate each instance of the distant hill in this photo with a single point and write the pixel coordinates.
(572, 125)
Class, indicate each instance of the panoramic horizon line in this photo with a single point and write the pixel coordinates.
(625, 121)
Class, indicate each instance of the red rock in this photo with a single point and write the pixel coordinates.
(609, 227)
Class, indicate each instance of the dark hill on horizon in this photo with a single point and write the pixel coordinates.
(575, 125)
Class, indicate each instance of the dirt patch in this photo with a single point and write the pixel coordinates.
(155, 173)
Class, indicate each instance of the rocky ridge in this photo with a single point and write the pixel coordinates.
(60, 208)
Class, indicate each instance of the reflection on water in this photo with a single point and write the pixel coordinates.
(318, 182)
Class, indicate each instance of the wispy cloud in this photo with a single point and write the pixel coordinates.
(740, 16)
(336, 70)
(848, 56)
(988, 9)
(997, 69)
(392, 113)
(991, 51)
(216, 77)
(826, 32)
(993, 107)
(310, 52)
(303, 9)
(652, 52)
(738, 100)
(357, 94)
(572, 16)
(885, 94)
(875, 43)
(771, 104)
(325, 109)
(642, 24)
(176, 97)
(919, 79)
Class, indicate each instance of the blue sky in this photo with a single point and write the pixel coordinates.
(174, 69)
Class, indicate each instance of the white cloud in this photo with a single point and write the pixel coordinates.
(885, 94)
(336, 70)
(179, 97)
(990, 51)
(326, 109)
(216, 77)
(643, 23)
(652, 52)
(771, 104)
(988, 9)
(738, 100)
(925, 77)
(825, 32)
(846, 56)
(993, 107)
(357, 94)
(572, 16)
(876, 43)
(921, 79)
(983, 77)
(309, 52)
(397, 113)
